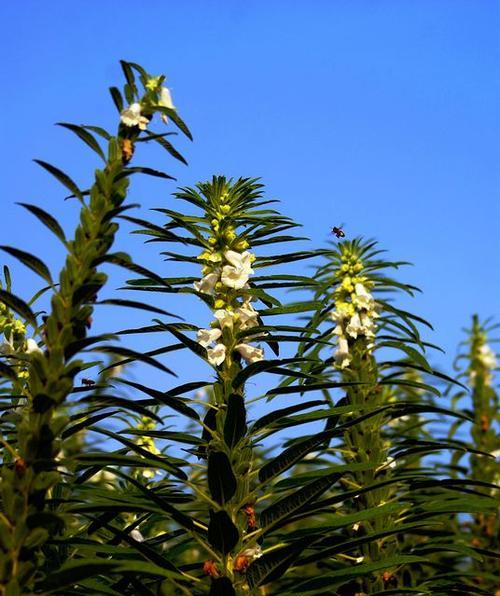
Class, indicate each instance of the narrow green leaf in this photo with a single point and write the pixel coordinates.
(221, 479)
(287, 506)
(32, 262)
(63, 178)
(235, 425)
(7, 371)
(221, 586)
(18, 306)
(222, 533)
(85, 136)
(47, 219)
(117, 98)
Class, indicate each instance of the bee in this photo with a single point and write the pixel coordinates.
(88, 382)
(338, 231)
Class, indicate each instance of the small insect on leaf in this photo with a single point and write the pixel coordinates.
(88, 382)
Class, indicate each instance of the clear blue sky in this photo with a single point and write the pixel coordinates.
(380, 114)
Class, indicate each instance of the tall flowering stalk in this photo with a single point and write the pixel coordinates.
(227, 270)
(376, 358)
(355, 313)
(27, 522)
(480, 363)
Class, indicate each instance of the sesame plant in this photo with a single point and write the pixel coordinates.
(476, 364)
(303, 451)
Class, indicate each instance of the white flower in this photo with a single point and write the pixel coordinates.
(250, 353)
(217, 355)
(341, 355)
(136, 535)
(354, 326)
(236, 274)
(234, 277)
(207, 283)
(495, 454)
(247, 315)
(32, 346)
(131, 116)
(487, 356)
(338, 330)
(367, 324)
(252, 553)
(166, 102)
(206, 336)
(363, 299)
(356, 527)
(339, 315)
(6, 347)
(241, 260)
(225, 318)
(359, 560)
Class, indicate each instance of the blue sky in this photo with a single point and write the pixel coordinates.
(382, 115)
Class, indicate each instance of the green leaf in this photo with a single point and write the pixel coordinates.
(328, 581)
(18, 306)
(167, 398)
(176, 119)
(123, 260)
(63, 178)
(139, 305)
(7, 371)
(32, 262)
(262, 366)
(117, 98)
(222, 533)
(132, 354)
(47, 219)
(221, 586)
(235, 425)
(85, 136)
(268, 419)
(273, 565)
(77, 569)
(290, 456)
(144, 170)
(287, 506)
(221, 479)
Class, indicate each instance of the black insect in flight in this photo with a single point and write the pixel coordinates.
(338, 231)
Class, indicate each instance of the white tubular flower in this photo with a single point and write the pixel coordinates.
(239, 260)
(165, 102)
(225, 318)
(217, 355)
(354, 326)
(250, 353)
(6, 347)
(363, 299)
(206, 284)
(252, 553)
(131, 116)
(236, 274)
(487, 357)
(367, 325)
(233, 277)
(32, 346)
(207, 336)
(247, 316)
(136, 535)
(339, 315)
(341, 355)
(338, 330)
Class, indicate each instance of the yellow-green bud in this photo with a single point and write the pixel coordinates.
(225, 208)
(212, 240)
(219, 303)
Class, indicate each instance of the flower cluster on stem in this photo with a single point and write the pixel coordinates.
(226, 273)
(354, 310)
